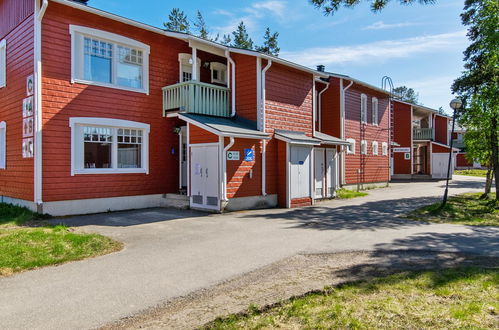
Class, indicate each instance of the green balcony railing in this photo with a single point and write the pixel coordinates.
(458, 143)
(197, 97)
(423, 133)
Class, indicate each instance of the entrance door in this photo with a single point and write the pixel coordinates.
(319, 172)
(439, 166)
(183, 156)
(204, 176)
(331, 172)
(300, 171)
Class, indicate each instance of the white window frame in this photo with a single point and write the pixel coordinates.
(220, 67)
(363, 108)
(185, 59)
(384, 149)
(375, 147)
(77, 56)
(77, 144)
(363, 147)
(351, 147)
(3, 145)
(375, 118)
(3, 63)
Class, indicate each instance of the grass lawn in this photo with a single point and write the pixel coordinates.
(347, 194)
(443, 299)
(480, 173)
(466, 209)
(27, 242)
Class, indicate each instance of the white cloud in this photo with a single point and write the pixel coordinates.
(275, 7)
(380, 25)
(377, 51)
(434, 92)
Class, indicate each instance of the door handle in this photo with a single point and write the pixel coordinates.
(206, 172)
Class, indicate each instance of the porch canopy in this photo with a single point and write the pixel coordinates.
(226, 127)
(294, 137)
(331, 140)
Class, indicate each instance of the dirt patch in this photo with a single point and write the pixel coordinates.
(291, 277)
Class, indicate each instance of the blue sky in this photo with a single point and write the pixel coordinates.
(417, 46)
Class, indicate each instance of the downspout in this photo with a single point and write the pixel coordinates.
(39, 13)
(233, 81)
(314, 106)
(342, 125)
(264, 142)
(224, 165)
(320, 106)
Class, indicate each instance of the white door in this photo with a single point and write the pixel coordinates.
(439, 166)
(319, 169)
(300, 171)
(332, 174)
(204, 176)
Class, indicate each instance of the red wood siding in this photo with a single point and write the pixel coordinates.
(330, 114)
(62, 100)
(245, 86)
(441, 130)
(439, 149)
(17, 180)
(300, 202)
(376, 168)
(402, 129)
(199, 135)
(462, 161)
(13, 13)
(239, 182)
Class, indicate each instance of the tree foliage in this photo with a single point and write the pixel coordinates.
(478, 86)
(406, 94)
(270, 44)
(241, 38)
(177, 21)
(201, 28)
(332, 6)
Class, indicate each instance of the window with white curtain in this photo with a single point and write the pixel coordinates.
(384, 149)
(375, 111)
(375, 148)
(3, 63)
(351, 146)
(363, 108)
(3, 145)
(110, 60)
(363, 147)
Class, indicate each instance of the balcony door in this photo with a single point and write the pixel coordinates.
(186, 64)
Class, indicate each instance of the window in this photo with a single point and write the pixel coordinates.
(351, 146)
(375, 111)
(363, 147)
(185, 70)
(375, 147)
(3, 63)
(363, 108)
(3, 145)
(103, 145)
(218, 73)
(384, 149)
(110, 60)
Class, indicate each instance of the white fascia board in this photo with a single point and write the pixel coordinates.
(296, 142)
(108, 122)
(359, 82)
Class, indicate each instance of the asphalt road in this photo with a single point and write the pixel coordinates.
(171, 253)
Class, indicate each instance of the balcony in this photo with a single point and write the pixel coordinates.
(423, 134)
(197, 97)
(458, 143)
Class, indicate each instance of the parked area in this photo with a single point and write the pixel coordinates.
(170, 253)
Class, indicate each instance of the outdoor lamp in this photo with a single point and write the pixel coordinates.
(456, 104)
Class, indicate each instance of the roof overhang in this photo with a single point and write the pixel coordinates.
(359, 82)
(293, 137)
(330, 140)
(454, 149)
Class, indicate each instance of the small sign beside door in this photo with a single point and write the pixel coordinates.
(249, 155)
(407, 156)
(232, 155)
(402, 149)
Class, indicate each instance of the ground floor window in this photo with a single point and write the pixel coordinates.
(103, 145)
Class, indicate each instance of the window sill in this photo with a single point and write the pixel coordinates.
(110, 171)
(100, 84)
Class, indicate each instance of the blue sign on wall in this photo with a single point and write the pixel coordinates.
(249, 155)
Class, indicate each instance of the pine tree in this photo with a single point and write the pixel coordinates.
(226, 40)
(177, 21)
(200, 26)
(406, 94)
(270, 45)
(241, 38)
(332, 6)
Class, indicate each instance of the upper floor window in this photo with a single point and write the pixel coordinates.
(363, 108)
(351, 146)
(104, 145)
(218, 73)
(3, 145)
(110, 60)
(375, 111)
(3, 63)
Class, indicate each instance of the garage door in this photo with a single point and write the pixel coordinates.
(439, 166)
(300, 171)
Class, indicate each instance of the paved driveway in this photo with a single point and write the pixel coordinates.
(171, 253)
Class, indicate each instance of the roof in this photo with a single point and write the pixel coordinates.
(422, 107)
(295, 137)
(187, 37)
(395, 144)
(222, 126)
(343, 76)
(445, 146)
(328, 139)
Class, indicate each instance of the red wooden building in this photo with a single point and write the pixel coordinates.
(99, 112)
(422, 138)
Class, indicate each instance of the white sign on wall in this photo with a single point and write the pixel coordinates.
(232, 155)
(402, 149)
